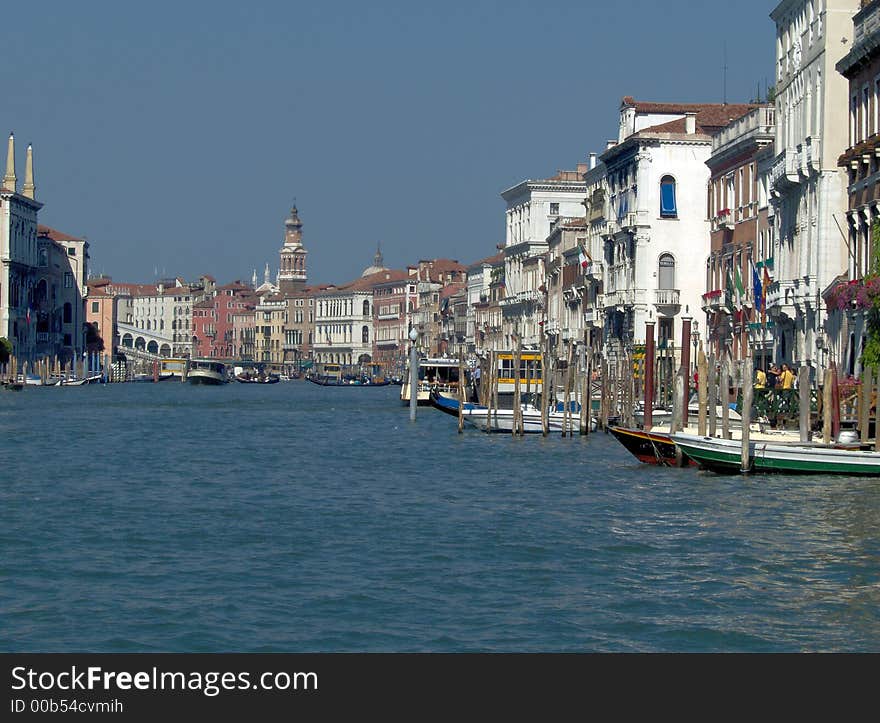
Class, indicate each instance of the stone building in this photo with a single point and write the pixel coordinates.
(656, 235)
(741, 237)
(845, 296)
(533, 207)
(808, 197)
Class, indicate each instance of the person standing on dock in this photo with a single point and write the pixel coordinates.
(760, 379)
(786, 379)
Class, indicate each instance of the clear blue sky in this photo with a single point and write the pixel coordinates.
(174, 136)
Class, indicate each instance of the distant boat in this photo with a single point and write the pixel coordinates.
(336, 382)
(725, 455)
(259, 379)
(206, 371)
(74, 382)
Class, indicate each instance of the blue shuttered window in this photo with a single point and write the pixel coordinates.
(667, 197)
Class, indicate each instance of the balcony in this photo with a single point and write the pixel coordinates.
(781, 294)
(666, 297)
(551, 327)
(713, 301)
(724, 220)
(42, 337)
(595, 269)
(591, 316)
(384, 317)
(624, 297)
(805, 293)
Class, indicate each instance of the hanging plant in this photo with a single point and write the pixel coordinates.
(871, 352)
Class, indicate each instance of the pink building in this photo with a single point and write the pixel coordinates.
(213, 323)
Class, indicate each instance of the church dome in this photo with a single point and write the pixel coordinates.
(378, 264)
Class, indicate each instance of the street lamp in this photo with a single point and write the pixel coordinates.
(695, 336)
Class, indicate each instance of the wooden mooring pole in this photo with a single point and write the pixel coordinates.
(702, 391)
(804, 403)
(748, 389)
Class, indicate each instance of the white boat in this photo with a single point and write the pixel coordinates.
(206, 371)
(439, 375)
(501, 420)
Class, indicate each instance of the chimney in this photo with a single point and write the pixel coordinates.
(9, 179)
(592, 160)
(690, 123)
(29, 189)
(582, 169)
(610, 144)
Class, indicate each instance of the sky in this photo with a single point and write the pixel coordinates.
(176, 136)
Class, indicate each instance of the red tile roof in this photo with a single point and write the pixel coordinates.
(54, 234)
(488, 260)
(710, 117)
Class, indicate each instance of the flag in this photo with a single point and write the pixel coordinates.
(756, 286)
(583, 258)
(728, 293)
(764, 288)
(740, 289)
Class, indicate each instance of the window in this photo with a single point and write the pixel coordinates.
(94, 307)
(666, 275)
(71, 251)
(68, 313)
(44, 257)
(554, 209)
(667, 197)
(68, 280)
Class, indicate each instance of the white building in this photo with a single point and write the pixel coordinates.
(156, 318)
(533, 208)
(479, 282)
(19, 259)
(656, 235)
(808, 189)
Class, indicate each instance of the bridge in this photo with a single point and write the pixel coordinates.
(157, 344)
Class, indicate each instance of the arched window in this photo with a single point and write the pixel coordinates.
(365, 333)
(44, 257)
(666, 272)
(668, 208)
(366, 307)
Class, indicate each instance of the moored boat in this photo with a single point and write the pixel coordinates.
(501, 420)
(725, 455)
(434, 374)
(650, 447)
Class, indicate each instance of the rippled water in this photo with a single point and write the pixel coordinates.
(291, 517)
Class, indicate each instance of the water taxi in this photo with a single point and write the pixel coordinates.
(206, 371)
(440, 375)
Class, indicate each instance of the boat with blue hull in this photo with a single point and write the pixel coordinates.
(501, 420)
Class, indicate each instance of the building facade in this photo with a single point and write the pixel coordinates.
(19, 257)
(848, 298)
(533, 207)
(656, 234)
(808, 197)
(741, 238)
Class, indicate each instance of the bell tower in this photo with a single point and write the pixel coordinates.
(292, 276)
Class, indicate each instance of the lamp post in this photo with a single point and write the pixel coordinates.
(695, 336)
(413, 374)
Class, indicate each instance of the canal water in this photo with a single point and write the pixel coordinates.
(298, 518)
